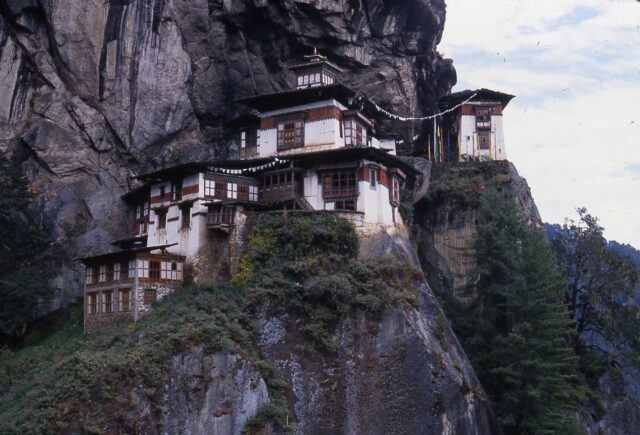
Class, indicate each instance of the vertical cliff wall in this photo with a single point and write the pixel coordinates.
(96, 91)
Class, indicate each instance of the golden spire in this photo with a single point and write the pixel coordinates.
(315, 57)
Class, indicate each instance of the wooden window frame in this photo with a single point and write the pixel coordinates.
(209, 187)
(176, 190)
(107, 301)
(373, 178)
(290, 134)
(122, 308)
(150, 296)
(93, 307)
(343, 183)
(185, 216)
(103, 273)
(232, 190)
(253, 193)
(346, 204)
(161, 219)
(155, 269)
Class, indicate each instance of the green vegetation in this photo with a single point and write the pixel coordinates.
(600, 291)
(22, 248)
(464, 183)
(515, 331)
(300, 264)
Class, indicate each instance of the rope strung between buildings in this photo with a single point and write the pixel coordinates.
(251, 169)
(423, 118)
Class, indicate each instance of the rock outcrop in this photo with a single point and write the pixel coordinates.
(95, 92)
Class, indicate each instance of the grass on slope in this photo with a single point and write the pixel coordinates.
(305, 265)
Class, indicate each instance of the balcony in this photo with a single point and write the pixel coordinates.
(221, 218)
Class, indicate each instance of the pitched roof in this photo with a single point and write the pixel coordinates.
(481, 95)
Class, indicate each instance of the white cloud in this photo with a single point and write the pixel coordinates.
(574, 129)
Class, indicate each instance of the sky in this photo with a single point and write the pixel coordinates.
(573, 130)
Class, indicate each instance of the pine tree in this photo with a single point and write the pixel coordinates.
(22, 246)
(516, 331)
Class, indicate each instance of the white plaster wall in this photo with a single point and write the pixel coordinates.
(468, 134)
(313, 190)
(498, 137)
(320, 132)
(268, 142)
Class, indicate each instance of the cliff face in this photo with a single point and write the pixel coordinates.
(97, 91)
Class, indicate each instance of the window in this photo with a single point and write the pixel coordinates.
(143, 268)
(306, 79)
(347, 132)
(110, 272)
(103, 272)
(248, 138)
(339, 184)
(484, 139)
(312, 79)
(89, 275)
(186, 216)
(341, 127)
(172, 270)
(154, 269)
(138, 211)
(162, 218)
(317, 77)
(209, 187)
(161, 193)
(124, 269)
(124, 301)
(132, 268)
(395, 190)
(116, 271)
(92, 303)
(176, 190)
(243, 139)
(253, 193)
(345, 204)
(149, 296)
(95, 274)
(299, 80)
(359, 141)
(232, 191)
(107, 301)
(373, 177)
(221, 215)
(290, 134)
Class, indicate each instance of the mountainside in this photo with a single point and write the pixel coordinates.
(99, 91)
(311, 340)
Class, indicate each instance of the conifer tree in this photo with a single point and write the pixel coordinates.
(22, 245)
(516, 330)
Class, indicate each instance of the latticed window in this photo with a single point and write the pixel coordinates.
(253, 193)
(150, 296)
(373, 177)
(345, 204)
(143, 268)
(290, 134)
(395, 190)
(209, 187)
(232, 190)
(484, 139)
(172, 270)
(154, 269)
(339, 184)
(103, 272)
(92, 303)
(107, 301)
(124, 301)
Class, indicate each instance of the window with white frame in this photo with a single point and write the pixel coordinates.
(373, 177)
(209, 188)
(92, 303)
(143, 268)
(171, 270)
(347, 132)
(124, 300)
(253, 193)
(107, 301)
(103, 272)
(395, 190)
(232, 190)
(116, 271)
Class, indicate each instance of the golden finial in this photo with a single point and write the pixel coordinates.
(315, 57)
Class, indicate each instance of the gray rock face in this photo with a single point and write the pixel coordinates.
(233, 392)
(404, 373)
(96, 91)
